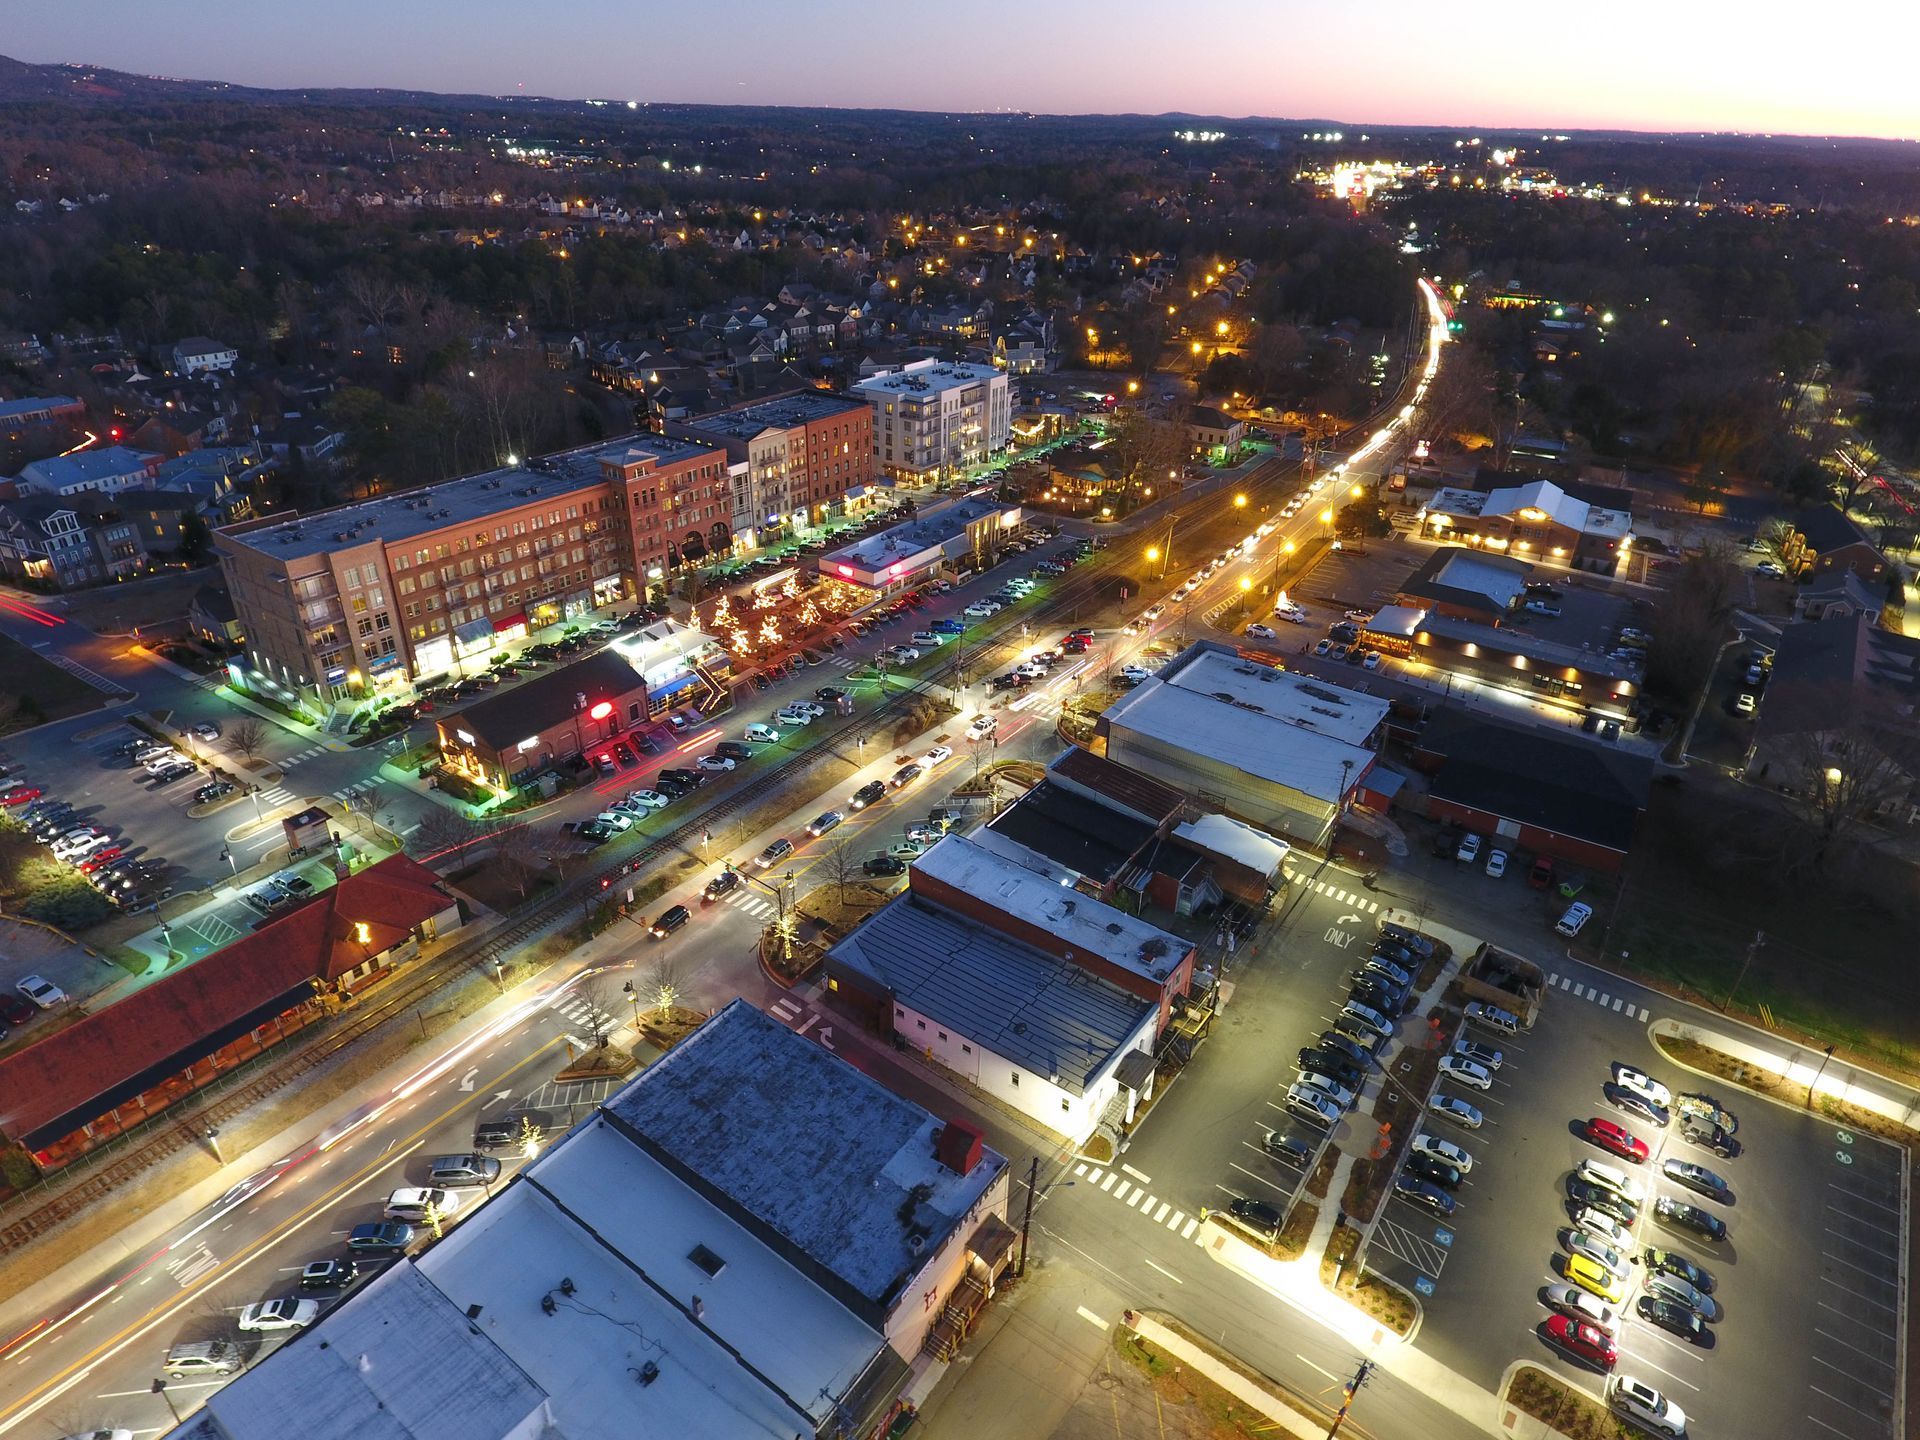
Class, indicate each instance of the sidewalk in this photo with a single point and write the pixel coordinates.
(1284, 1416)
(228, 695)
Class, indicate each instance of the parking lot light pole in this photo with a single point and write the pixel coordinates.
(160, 1389)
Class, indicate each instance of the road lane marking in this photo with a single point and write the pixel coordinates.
(1142, 1178)
(1166, 1272)
(1087, 1315)
(1311, 1366)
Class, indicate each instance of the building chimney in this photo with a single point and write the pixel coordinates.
(958, 1146)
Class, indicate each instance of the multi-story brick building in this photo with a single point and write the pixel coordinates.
(380, 593)
(933, 419)
(801, 454)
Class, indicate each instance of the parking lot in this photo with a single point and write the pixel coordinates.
(1807, 1280)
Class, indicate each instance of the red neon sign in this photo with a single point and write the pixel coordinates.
(601, 711)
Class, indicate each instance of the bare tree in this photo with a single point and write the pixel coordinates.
(523, 849)
(840, 865)
(441, 829)
(1691, 621)
(246, 738)
(662, 987)
(1841, 778)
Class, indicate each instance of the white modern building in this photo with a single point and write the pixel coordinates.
(934, 418)
(752, 1239)
(197, 355)
(1282, 751)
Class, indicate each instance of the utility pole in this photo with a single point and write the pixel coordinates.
(1026, 1220)
(1812, 1084)
(1348, 1391)
(1759, 939)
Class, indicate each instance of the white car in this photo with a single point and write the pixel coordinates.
(1153, 612)
(793, 715)
(982, 727)
(1611, 1177)
(1031, 669)
(1313, 1107)
(1136, 673)
(935, 756)
(1644, 1405)
(1770, 569)
(207, 730)
(1465, 1072)
(1469, 850)
(1260, 632)
(615, 819)
(719, 763)
(652, 799)
(1332, 1090)
(1372, 662)
(980, 610)
(287, 1314)
(1643, 1085)
(1572, 1300)
(1496, 864)
(1598, 1222)
(1456, 1110)
(1446, 1150)
(41, 991)
(76, 847)
(824, 822)
(808, 707)
(905, 652)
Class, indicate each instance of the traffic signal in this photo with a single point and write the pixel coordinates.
(606, 882)
(727, 865)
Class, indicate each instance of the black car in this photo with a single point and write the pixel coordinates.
(1379, 995)
(692, 779)
(1417, 1191)
(1330, 1063)
(644, 742)
(760, 682)
(508, 1129)
(1342, 1043)
(867, 794)
(1598, 1197)
(624, 755)
(329, 1274)
(1433, 1170)
(721, 884)
(1682, 1216)
(1258, 1216)
(1698, 1179)
(1665, 1262)
(1671, 1316)
(1639, 1106)
(827, 694)
(668, 921)
(884, 865)
(1290, 1148)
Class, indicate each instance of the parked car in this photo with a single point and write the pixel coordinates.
(1583, 1341)
(335, 1274)
(40, 991)
(1616, 1139)
(291, 1313)
(1698, 1179)
(1681, 1215)
(1257, 1217)
(1419, 1192)
(883, 865)
(1644, 1405)
(460, 1170)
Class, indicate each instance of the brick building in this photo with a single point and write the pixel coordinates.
(802, 453)
(376, 594)
(504, 738)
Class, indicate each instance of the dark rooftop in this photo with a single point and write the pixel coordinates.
(1570, 787)
(1074, 831)
(527, 709)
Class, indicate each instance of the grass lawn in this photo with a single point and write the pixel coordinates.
(1703, 880)
(44, 690)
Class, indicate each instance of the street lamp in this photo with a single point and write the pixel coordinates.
(226, 854)
(160, 1389)
(634, 996)
(1239, 502)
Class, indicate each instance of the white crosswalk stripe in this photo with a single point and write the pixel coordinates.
(1138, 1199)
(274, 796)
(751, 904)
(784, 1009)
(1619, 1005)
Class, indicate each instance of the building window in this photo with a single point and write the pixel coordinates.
(966, 1049)
(1016, 1078)
(943, 1034)
(920, 1024)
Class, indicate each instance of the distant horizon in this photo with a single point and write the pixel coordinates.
(1634, 67)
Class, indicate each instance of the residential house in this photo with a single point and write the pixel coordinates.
(1825, 539)
(52, 542)
(197, 354)
(102, 472)
(211, 616)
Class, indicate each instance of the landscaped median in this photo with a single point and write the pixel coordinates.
(1557, 1409)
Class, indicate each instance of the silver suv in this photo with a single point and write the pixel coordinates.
(203, 1357)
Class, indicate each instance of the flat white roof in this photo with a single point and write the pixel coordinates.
(1035, 894)
(1400, 620)
(1223, 835)
(1292, 730)
(600, 1212)
(1501, 581)
(1541, 495)
(922, 378)
(397, 1361)
(1282, 694)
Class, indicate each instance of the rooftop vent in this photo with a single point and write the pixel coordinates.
(709, 1262)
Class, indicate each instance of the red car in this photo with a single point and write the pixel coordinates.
(1618, 1139)
(1582, 1340)
(22, 796)
(99, 857)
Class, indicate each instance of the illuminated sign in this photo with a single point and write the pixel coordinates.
(532, 742)
(601, 711)
(846, 571)
(465, 738)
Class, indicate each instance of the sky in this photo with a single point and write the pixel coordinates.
(1842, 68)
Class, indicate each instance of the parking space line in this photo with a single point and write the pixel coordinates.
(1822, 1360)
(1877, 1304)
(1851, 1266)
(1844, 1434)
(1677, 1379)
(1862, 1244)
(1886, 1364)
(1877, 1419)
(1856, 1195)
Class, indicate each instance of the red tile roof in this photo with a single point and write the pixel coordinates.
(105, 1059)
